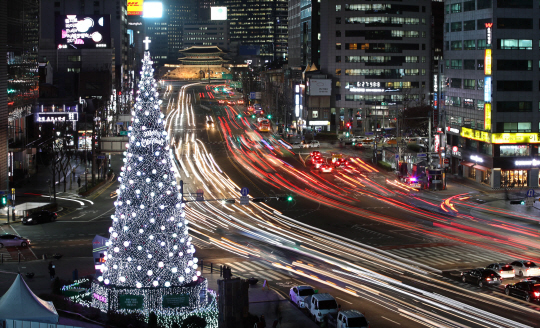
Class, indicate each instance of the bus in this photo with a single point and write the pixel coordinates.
(264, 126)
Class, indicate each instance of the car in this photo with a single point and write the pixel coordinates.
(481, 277)
(315, 153)
(325, 168)
(39, 217)
(536, 278)
(297, 144)
(506, 271)
(319, 305)
(346, 318)
(240, 102)
(312, 144)
(13, 240)
(221, 101)
(299, 295)
(528, 290)
(317, 161)
(525, 268)
(341, 162)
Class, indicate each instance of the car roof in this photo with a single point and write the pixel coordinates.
(351, 313)
(323, 297)
(304, 287)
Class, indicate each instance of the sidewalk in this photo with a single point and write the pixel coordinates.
(267, 302)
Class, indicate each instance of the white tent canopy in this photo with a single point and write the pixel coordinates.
(20, 303)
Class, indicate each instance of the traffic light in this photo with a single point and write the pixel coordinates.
(3, 200)
(517, 202)
(289, 198)
(239, 116)
(347, 134)
(269, 116)
(258, 199)
(285, 198)
(229, 201)
(253, 116)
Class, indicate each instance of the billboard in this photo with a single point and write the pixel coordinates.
(152, 10)
(218, 13)
(320, 87)
(83, 31)
(135, 7)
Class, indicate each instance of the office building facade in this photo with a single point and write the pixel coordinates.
(378, 56)
(304, 33)
(489, 83)
(262, 24)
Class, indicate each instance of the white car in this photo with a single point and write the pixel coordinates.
(525, 268)
(299, 294)
(506, 271)
(13, 240)
(312, 144)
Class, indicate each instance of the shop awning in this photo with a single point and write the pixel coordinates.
(478, 167)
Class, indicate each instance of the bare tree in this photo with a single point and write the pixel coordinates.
(60, 156)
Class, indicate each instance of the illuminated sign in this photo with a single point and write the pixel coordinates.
(487, 116)
(83, 31)
(514, 138)
(52, 117)
(320, 87)
(477, 159)
(355, 89)
(435, 83)
(319, 123)
(489, 27)
(487, 89)
(437, 143)
(487, 62)
(152, 10)
(218, 13)
(534, 162)
(453, 130)
(454, 149)
(135, 7)
(475, 135)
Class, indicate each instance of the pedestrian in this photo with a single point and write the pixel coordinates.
(262, 322)
(52, 271)
(79, 181)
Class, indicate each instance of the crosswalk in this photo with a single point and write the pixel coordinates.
(258, 269)
(450, 255)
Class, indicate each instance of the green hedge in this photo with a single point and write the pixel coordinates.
(386, 166)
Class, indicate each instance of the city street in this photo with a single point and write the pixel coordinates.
(393, 253)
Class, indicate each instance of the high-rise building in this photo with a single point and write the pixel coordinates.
(378, 56)
(489, 82)
(261, 24)
(304, 33)
(4, 179)
(48, 48)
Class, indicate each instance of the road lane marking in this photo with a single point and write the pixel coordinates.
(343, 300)
(397, 323)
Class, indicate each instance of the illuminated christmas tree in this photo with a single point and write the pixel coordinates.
(149, 263)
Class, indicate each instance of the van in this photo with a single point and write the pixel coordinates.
(348, 319)
(322, 304)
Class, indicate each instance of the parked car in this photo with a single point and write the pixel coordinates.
(299, 295)
(347, 318)
(481, 277)
(506, 271)
(320, 305)
(528, 290)
(312, 144)
(13, 240)
(39, 217)
(525, 268)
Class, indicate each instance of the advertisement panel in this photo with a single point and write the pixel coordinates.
(487, 116)
(218, 13)
(487, 62)
(320, 87)
(53, 117)
(175, 300)
(487, 89)
(515, 138)
(135, 7)
(83, 31)
(130, 302)
(475, 135)
(152, 10)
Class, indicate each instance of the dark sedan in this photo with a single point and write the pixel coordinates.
(481, 277)
(528, 290)
(39, 217)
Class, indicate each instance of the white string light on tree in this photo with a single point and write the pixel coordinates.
(149, 258)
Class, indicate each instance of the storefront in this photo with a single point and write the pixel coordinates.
(517, 172)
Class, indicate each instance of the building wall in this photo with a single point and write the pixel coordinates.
(205, 33)
(116, 9)
(394, 53)
(252, 22)
(3, 99)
